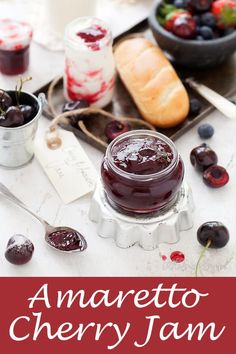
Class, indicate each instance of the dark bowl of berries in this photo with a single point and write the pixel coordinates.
(195, 33)
(19, 115)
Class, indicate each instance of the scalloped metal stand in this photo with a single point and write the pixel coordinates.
(148, 231)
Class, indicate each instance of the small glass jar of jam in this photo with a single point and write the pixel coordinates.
(89, 62)
(142, 172)
(15, 38)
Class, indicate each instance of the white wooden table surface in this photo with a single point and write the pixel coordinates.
(102, 257)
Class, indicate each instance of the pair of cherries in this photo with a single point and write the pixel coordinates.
(205, 160)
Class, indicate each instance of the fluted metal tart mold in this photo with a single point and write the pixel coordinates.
(148, 231)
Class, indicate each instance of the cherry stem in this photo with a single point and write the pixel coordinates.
(201, 256)
(19, 89)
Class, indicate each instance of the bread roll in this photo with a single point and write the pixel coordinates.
(152, 82)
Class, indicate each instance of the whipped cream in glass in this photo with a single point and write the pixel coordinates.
(89, 62)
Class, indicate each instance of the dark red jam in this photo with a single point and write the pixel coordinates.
(142, 156)
(67, 240)
(92, 36)
(142, 172)
(14, 62)
(177, 257)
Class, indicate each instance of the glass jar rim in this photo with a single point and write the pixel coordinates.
(144, 133)
(72, 39)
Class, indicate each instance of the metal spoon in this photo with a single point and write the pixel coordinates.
(221, 103)
(49, 229)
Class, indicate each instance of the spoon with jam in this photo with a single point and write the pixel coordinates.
(61, 238)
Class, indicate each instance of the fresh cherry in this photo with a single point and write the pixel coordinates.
(5, 100)
(203, 157)
(215, 176)
(184, 26)
(71, 106)
(19, 250)
(211, 234)
(27, 111)
(215, 232)
(115, 128)
(14, 117)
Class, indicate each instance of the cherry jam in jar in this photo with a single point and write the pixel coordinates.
(142, 172)
(15, 38)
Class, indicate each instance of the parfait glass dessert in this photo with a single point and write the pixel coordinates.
(89, 63)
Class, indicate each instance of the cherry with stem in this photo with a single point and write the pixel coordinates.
(211, 234)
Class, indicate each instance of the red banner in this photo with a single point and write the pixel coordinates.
(117, 315)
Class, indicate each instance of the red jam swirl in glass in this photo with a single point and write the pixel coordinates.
(15, 38)
(89, 62)
(142, 172)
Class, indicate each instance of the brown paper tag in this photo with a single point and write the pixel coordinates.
(68, 167)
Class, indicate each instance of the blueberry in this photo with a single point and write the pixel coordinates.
(208, 19)
(199, 38)
(205, 131)
(180, 4)
(206, 32)
(195, 107)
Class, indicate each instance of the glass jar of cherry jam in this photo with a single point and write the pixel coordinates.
(142, 172)
(15, 38)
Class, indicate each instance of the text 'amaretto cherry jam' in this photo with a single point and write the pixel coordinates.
(142, 172)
